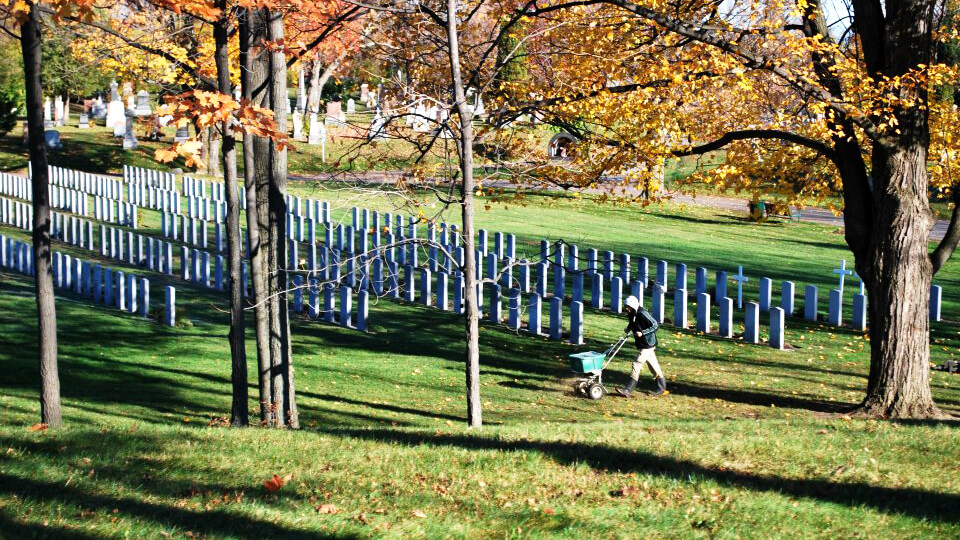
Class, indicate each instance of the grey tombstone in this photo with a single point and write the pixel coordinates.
(182, 134)
(298, 294)
(313, 302)
(129, 137)
(542, 270)
(637, 289)
(625, 267)
(616, 295)
(726, 317)
(766, 292)
(496, 306)
(662, 275)
(556, 318)
(524, 276)
(363, 310)
(408, 285)
(776, 328)
(577, 279)
(596, 290)
(703, 312)
(835, 313)
(643, 271)
(859, 321)
(559, 281)
(346, 306)
(170, 307)
(328, 303)
(121, 294)
(701, 280)
(751, 333)
(51, 139)
(680, 280)
(810, 307)
(442, 281)
(534, 312)
(132, 293)
(426, 282)
(458, 306)
(143, 302)
(143, 104)
(787, 298)
(84, 122)
(513, 309)
(680, 308)
(936, 301)
(657, 292)
(576, 323)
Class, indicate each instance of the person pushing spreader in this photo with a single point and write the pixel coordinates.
(644, 329)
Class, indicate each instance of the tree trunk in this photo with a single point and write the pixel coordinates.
(281, 350)
(46, 305)
(238, 351)
(253, 76)
(900, 274)
(474, 412)
(213, 143)
(314, 88)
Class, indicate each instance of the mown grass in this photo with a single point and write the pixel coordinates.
(749, 443)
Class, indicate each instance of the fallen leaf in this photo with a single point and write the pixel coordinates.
(276, 482)
(327, 509)
(37, 427)
(419, 514)
(549, 511)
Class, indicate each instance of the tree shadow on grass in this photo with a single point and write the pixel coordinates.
(913, 502)
(762, 399)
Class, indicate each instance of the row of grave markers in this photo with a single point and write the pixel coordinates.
(125, 291)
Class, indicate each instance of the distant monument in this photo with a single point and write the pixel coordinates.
(129, 137)
(115, 113)
(143, 104)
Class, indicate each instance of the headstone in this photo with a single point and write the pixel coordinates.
(556, 320)
(835, 314)
(47, 113)
(318, 130)
(534, 312)
(513, 309)
(859, 320)
(936, 300)
(703, 312)
(596, 290)
(58, 111)
(334, 111)
(751, 333)
(351, 106)
(84, 122)
(143, 104)
(495, 311)
(810, 303)
(776, 328)
(616, 295)
(364, 93)
(680, 308)
(170, 306)
(346, 306)
(182, 134)
(297, 124)
(116, 115)
(658, 304)
(726, 317)
(766, 291)
(576, 323)
(740, 279)
(787, 298)
(662, 275)
(701, 280)
(98, 110)
(129, 137)
(842, 272)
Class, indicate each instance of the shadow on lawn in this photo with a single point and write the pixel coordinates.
(909, 501)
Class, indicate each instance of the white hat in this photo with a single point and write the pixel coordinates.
(633, 302)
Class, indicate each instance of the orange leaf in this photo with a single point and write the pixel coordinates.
(327, 509)
(274, 483)
(37, 427)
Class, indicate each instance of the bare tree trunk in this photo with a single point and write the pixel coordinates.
(251, 77)
(238, 350)
(474, 412)
(46, 306)
(900, 273)
(213, 150)
(281, 350)
(318, 79)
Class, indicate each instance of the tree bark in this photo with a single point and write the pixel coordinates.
(252, 79)
(238, 351)
(30, 40)
(474, 411)
(281, 351)
(213, 151)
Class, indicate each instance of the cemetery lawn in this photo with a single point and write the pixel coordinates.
(749, 443)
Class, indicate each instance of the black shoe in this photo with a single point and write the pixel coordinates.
(625, 391)
(661, 387)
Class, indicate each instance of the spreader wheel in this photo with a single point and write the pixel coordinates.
(581, 387)
(595, 391)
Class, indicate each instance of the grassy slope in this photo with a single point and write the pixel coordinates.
(741, 447)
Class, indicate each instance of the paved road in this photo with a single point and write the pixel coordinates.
(815, 215)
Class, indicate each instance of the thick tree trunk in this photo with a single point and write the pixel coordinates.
(252, 76)
(46, 305)
(238, 351)
(474, 411)
(281, 350)
(213, 151)
(900, 273)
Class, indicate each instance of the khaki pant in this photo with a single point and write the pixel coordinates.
(648, 357)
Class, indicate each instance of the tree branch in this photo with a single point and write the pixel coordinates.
(948, 245)
(767, 134)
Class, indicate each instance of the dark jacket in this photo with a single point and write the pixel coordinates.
(644, 328)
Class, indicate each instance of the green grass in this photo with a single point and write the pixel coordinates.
(747, 444)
